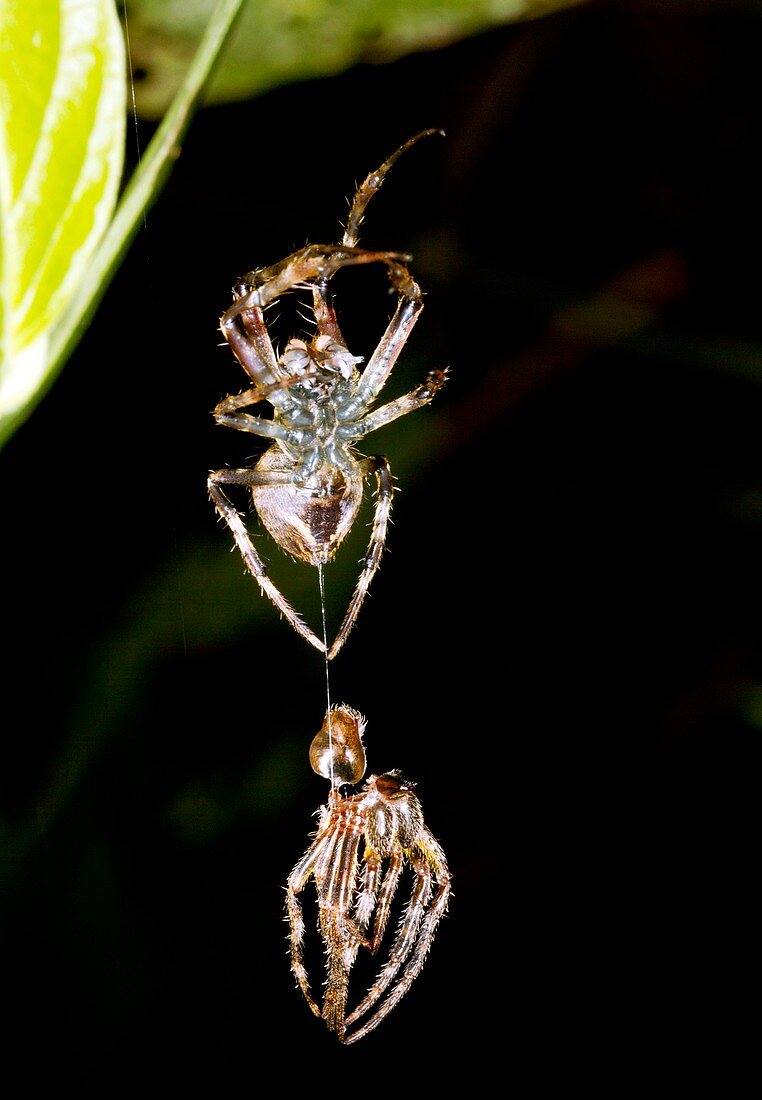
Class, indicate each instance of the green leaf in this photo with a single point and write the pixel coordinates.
(62, 127)
(278, 41)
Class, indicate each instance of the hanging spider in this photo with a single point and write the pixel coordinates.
(307, 487)
(362, 845)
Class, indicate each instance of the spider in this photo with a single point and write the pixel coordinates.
(362, 845)
(307, 487)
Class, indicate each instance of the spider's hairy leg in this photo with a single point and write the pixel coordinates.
(340, 956)
(246, 333)
(367, 895)
(228, 415)
(401, 406)
(388, 890)
(383, 359)
(254, 563)
(340, 933)
(405, 937)
(413, 939)
(308, 265)
(226, 411)
(325, 315)
(371, 185)
(297, 881)
(384, 492)
(296, 926)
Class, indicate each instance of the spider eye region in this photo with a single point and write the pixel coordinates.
(393, 784)
(398, 816)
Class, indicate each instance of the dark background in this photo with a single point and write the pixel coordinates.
(560, 646)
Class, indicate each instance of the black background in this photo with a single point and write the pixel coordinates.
(560, 646)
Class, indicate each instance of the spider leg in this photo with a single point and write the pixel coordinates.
(246, 333)
(383, 359)
(401, 406)
(340, 957)
(365, 903)
(385, 490)
(340, 934)
(371, 185)
(226, 412)
(252, 322)
(388, 890)
(245, 422)
(253, 395)
(325, 315)
(297, 881)
(403, 941)
(296, 926)
(245, 330)
(412, 943)
(254, 563)
(315, 263)
(366, 898)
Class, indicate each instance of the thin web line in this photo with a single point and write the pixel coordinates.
(321, 580)
(128, 48)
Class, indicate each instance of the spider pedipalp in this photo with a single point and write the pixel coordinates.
(307, 487)
(363, 845)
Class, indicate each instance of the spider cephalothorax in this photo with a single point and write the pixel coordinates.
(308, 485)
(363, 844)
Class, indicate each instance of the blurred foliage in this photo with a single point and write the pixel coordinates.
(62, 127)
(278, 41)
(61, 153)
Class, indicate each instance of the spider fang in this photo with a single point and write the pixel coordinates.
(307, 487)
(363, 844)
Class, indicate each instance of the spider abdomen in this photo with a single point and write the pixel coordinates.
(307, 521)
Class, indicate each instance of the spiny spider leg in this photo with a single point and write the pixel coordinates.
(383, 359)
(326, 321)
(254, 563)
(384, 493)
(332, 860)
(253, 396)
(323, 845)
(315, 262)
(247, 335)
(401, 406)
(428, 927)
(372, 183)
(368, 892)
(417, 398)
(339, 933)
(388, 890)
(404, 940)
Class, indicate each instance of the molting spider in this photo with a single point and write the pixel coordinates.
(307, 487)
(361, 847)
